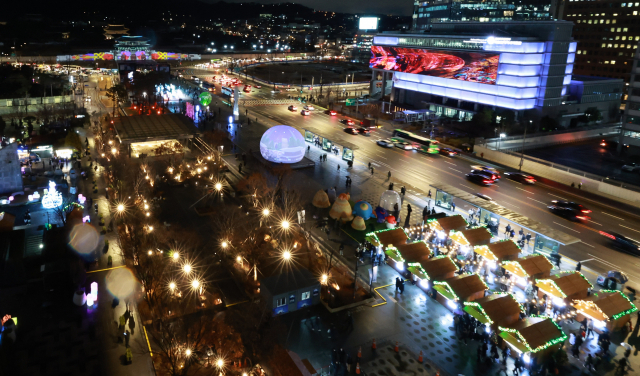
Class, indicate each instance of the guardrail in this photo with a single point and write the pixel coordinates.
(266, 82)
(561, 131)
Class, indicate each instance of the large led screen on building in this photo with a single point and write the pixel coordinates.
(465, 66)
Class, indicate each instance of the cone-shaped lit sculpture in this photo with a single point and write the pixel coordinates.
(321, 200)
(341, 209)
(358, 224)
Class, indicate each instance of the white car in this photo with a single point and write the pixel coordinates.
(405, 145)
(305, 113)
(386, 143)
(309, 107)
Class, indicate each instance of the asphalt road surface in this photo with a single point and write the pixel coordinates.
(532, 201)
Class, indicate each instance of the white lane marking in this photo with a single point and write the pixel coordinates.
(453, 164)
(588, 245)
(611, 215)
(508, 203)
(629, 228)
(569, 228)
(605, 262)
(583, 261)
(531, 193)
(455, 170)
(543, 203)
(561, 198)
(590, 221)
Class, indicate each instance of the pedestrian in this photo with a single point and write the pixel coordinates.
(403, 190)
(338, 167)
(588, 364)
(308, 148)
(580, 185)
(409, 210)
(589, 326)
(389, 175)
(517, 365)
(453, 207)
(132, 324)
(397, 284)
(401, 286)
(513, 234)
(122, 322)
(371, 171)
(507, 230)
(528, 237)
(425, 212)
(369, 164)
(578, 266)
(126, 338)
(391, 186)
(240, 168)
(429, 194)
(396, 211)
(479, 354)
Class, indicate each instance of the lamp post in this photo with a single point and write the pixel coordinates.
(500, 140)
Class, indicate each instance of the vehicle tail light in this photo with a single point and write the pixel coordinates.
(583, 217)
(586, 211)
(607, 235)
(487, 181)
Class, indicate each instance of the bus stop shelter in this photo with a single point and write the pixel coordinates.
(328, 143)
(545, 239)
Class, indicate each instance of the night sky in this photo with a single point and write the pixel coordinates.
(399, 7)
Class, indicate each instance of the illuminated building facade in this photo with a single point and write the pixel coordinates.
(607, 34)
(426, 13)
(458, 68)
(631, 120)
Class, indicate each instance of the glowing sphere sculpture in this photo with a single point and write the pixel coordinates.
(282, 144)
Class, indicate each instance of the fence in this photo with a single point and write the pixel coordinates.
(35, 101)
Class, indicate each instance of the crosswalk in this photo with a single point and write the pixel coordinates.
(267, 102)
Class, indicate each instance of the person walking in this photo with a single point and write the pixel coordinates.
(513, 234)
(588, 363)
(389, 175)
(578, 266)
(429, 194)
(453, 207)
(369, 165)
(507, 230)
(409, 210)
(589, 327)
(338, 167)
(132, 324)
(396, 211)
(397, 284)
(528, 238)
(371, 171)
(403, 190)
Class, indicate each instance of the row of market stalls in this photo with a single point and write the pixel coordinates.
(450, 278)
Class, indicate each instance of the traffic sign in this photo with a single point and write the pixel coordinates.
(350, 102)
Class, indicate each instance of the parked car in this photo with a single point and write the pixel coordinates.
(385, 143)
(521, 177)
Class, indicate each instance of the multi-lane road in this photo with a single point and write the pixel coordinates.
(532, 201)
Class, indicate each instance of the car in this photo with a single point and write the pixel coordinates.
(571, 205)
(488, 169)
(567, 211)
(276, 91)
(305, 113)
(364, 131)
(385, 142)
(293, 108)
(309, 107)
(247, 89)
(448, 151)
(290, 89)
(621, 242)
(347, 121)
(404, 145)
(487, 174)
(258, 86)
(480, 179)
(521, 177)
(630, 167)
(350, 130)
(332, 112)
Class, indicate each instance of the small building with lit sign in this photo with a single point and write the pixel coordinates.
(533, 337)
(291, 290)
(609, 309)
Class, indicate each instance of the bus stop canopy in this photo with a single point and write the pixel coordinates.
(521, 220)
(337, 140)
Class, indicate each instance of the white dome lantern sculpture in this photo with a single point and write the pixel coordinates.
(282, 144)
(388, 199)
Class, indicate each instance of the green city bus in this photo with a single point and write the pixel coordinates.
(424, 145)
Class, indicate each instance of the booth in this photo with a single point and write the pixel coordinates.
(563, 287)
(459, 289)
(534, 338)
(415, 252)
(500, 251)
(609, 309)
(394, 258)
(419, 275)
(384, 238)
(446, 224)
(468, 239)
(525, 270)
(439, 268)
(495, 310)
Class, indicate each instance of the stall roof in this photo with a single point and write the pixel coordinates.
(334, 139)
(454, 222)
(438, 266)
(606, 305)
(465, 285)
(414, 252)
(473, 237)
(564, 284)
(395, 237)
(529, 265)
(497, 307)
(535, 333)
(142, 128)
(530, 224)
(505, 248)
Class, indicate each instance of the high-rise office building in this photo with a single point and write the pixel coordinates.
(426, 13)
(607, 36)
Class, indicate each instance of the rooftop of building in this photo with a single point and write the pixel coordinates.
(132, 38)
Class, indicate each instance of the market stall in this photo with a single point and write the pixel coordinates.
(384, 238)
(394, 258)
(563, 287)
(495, 310)
(465, 240)
(534, 338)
(439, 268)
(500, 251)
(609, 309)
(525, 270)
(415, 252)
(462, 288)
(446, 224)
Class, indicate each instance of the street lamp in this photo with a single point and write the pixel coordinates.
(172, 286)
(266, 212)
(285, 225)
(175, 256)
(286, 255)
(502, 135)
(186, 268)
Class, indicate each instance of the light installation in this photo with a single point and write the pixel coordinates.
(464, 66)
(53, 198)
(205, 98)
(282, 144)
